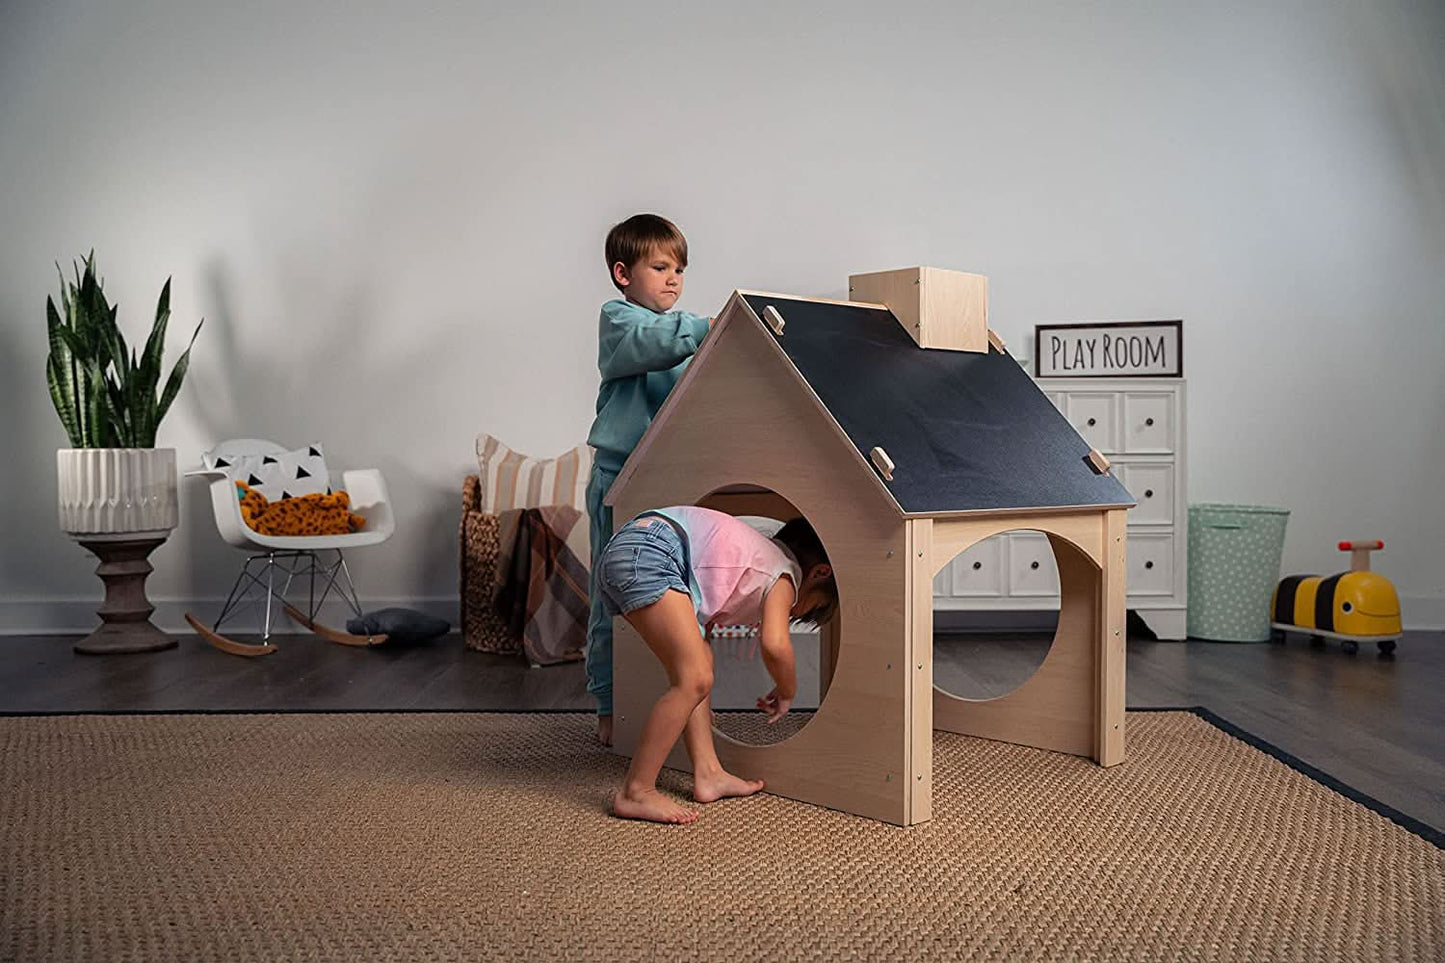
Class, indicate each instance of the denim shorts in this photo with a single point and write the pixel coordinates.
(645, 559)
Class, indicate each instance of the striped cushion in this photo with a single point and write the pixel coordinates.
(512, 480)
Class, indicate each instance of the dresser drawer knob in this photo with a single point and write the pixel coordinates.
(1148, 564)
(1092, 422)
(1148, 493)
(1033, 565)
(1149, 422)
(977, 566)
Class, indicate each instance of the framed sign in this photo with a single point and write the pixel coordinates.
(1109, 349)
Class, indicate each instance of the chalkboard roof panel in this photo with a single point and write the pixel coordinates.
(966, 431)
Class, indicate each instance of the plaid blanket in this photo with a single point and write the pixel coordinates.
(542, 591)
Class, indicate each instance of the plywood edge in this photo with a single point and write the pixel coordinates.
(920, 268)
(1109, 743)
(1031, 512)
(801, 297)
(918, 662)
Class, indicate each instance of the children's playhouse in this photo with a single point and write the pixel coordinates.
(900, 427)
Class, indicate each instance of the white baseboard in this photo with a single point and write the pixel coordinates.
(1421, 614)
(77, 616)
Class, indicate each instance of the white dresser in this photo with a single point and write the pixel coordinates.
(1139, 424)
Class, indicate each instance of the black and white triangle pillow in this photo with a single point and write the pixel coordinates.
(283, 475)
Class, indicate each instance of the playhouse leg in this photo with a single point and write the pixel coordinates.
(918, 664)
(1109, 740)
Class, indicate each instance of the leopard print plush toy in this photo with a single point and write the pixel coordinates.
(314, 514)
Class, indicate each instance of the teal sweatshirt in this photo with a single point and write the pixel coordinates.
(640, 356)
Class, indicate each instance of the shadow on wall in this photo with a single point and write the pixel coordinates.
(325, 375)
(223, 362)
(28, 477)
(49, 564)
(437, 542)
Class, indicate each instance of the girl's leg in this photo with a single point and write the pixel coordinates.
(710, 781)
(669, 627)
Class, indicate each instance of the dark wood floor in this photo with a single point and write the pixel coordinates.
(1377, 725)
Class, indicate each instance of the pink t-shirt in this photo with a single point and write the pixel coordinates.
(735, 565)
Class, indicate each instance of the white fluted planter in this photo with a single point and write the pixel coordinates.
(115, 491)
(120, 503)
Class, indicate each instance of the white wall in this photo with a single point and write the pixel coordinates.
(392, 219)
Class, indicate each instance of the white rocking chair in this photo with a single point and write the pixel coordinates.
(292, 556)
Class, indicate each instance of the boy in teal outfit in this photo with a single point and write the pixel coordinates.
(643, 345)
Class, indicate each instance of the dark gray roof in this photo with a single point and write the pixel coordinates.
(965, 431)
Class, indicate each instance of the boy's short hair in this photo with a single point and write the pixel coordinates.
(803, 541)
(632, 240)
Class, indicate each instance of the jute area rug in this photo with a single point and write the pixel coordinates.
(458, 836)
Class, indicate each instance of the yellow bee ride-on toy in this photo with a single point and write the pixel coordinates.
(1355, 606)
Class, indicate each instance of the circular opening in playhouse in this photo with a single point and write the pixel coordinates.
(995, 615)
(740, 674)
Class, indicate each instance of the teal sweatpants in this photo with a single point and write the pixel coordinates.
(599, 624)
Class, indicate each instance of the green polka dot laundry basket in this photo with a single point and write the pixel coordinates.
(1234, 557)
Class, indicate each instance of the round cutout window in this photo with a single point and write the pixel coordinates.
(995, 614)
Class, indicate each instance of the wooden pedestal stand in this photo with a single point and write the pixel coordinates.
(126, 612)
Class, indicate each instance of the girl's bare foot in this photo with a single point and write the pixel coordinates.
(652, 806)
(721, 785)
(604, 730)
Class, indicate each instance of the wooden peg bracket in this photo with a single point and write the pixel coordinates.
(882, 462)
(774, 320)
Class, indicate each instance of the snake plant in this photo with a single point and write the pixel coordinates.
(104, 394)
